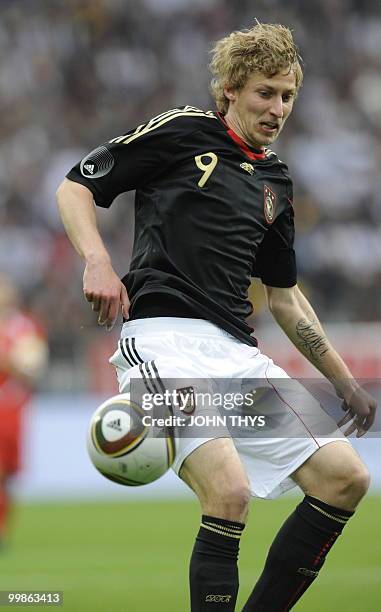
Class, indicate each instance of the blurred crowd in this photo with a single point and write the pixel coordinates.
(74, 73)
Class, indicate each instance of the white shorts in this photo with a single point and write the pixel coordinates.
(195, 354)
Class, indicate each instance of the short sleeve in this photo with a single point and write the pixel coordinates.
(275, 263)
(125, 162)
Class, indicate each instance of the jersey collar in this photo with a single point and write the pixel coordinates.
(248, 151)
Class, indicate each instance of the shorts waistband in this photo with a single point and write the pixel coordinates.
(160, 325)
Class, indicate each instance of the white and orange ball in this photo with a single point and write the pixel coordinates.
(123, 448)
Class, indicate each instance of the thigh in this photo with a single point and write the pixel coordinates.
(333, 462)
(216, 474)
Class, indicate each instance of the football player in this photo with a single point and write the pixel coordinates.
(214, 207)
(23, 358)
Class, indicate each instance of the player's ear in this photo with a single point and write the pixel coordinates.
(230, 93)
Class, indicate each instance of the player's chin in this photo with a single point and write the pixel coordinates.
(273, 136)
(265, 139)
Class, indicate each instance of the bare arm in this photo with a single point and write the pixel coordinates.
(101, 285)
(295, 315)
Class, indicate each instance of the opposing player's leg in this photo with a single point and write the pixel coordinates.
(216, 475)
(9, 464)
(4, 506)
(334, 480)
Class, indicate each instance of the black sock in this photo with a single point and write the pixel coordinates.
(213, 572)
(296, 555)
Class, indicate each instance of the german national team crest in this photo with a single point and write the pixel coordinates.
(269, 201)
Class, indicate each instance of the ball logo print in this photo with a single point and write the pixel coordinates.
(123, 449)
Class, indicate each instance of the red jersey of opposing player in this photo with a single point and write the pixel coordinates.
(23, 356)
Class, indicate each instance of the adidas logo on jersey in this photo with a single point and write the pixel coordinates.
(115, 425)
(248, 167)
(89, 168)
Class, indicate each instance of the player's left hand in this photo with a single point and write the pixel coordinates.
(360, 408)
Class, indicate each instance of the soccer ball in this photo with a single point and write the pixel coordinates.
(123, 448)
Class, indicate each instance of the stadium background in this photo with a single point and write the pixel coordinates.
(75, 73)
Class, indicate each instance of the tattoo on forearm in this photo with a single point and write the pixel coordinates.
(311, 341)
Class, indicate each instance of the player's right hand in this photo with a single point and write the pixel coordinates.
(103, 288)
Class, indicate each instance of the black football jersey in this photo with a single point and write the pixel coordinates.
(210, 213)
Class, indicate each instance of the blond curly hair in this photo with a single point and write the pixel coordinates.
(266, 47)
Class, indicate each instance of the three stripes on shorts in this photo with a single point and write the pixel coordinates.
(148, 370)
(152, 382)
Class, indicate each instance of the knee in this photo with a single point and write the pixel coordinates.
(354, 483)
(236, 500)
(231, 502)
(360, 480)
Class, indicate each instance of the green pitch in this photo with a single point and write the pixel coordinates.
(133, 556)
